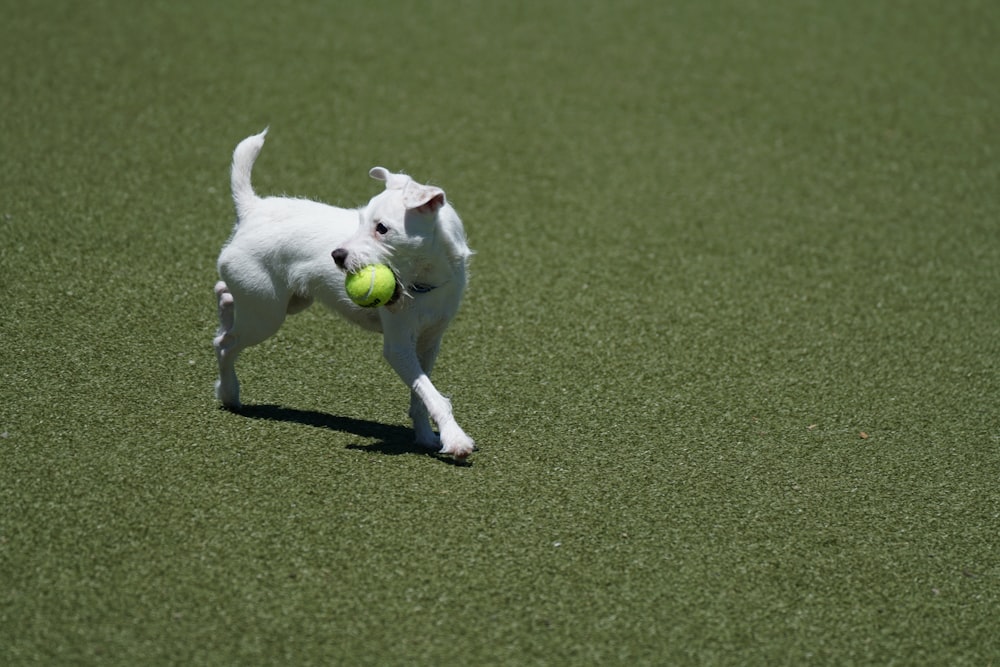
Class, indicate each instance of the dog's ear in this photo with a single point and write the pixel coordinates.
(392, 181)
(380, 174)
(424, 199)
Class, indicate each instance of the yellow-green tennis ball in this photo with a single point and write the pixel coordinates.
(371, 285)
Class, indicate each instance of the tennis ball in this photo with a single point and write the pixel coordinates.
(371, 285)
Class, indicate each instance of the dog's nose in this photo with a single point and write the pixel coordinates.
(339, 256)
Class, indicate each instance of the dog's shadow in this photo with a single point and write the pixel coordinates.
(390, 439)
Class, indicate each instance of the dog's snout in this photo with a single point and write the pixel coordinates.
(339, 256)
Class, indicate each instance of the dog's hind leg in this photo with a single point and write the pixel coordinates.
(244, 320)
(227, 387)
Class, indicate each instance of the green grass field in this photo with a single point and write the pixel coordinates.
(730, 348)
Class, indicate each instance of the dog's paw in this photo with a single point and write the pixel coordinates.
(456, 444)
(228, 394)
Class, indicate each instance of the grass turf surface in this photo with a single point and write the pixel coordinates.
(729, 351)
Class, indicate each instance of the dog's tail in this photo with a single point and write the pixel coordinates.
(243, 158)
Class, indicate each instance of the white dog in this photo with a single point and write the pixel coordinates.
(285, 253)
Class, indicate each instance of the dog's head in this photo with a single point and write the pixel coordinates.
(412, 228)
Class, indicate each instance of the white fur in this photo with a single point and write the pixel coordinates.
(280, 258)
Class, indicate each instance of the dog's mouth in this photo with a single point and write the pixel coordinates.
(340, 259)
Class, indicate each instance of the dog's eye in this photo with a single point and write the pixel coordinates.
(381, 229)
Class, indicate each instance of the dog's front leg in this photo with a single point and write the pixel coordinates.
(402, 356)
(427, 351)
